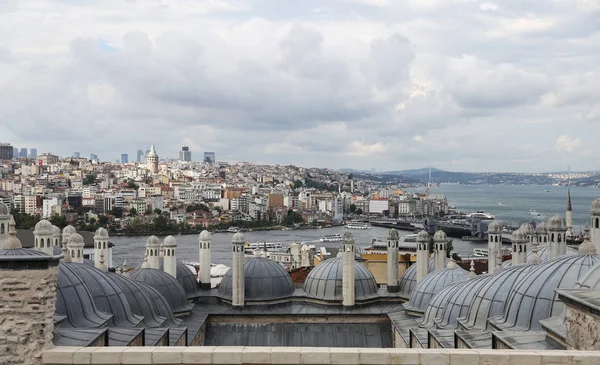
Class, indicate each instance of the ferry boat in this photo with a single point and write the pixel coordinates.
(233, 230)
(331, 238)
(410, 238)
(357, 225)
(480, 214)
(533, 212)
(271, 246)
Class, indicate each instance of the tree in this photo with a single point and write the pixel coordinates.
(132, 212)
(102, 220)
(58, 220)
(117, 212)
(132, 185)
(298, 184)
(352, 208)
(157, 211)
(292, 218)
(386, 213)
(359, 211)
(90, 179)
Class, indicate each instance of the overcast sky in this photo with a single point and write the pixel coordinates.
(462, 85)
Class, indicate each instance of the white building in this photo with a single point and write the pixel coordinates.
(377, 206)
(49, 206)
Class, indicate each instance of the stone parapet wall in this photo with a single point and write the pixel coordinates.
(320, 355)
(583, 328)
(27, 300)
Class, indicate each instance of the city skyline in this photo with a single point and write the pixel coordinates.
(505, 86)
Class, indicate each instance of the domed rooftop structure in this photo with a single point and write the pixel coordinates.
(432, 284)
(170, 241)
(459, 301)
(527, 228)
(324, 282)
(541, 228)
(188, 281)
(167, 285)
(238, 238)
(69, 230)
(595, 208)
(264, 280)
(152, 241)
(494, 227)
(422, 236)
(519, 235)
(436, 306)
(74, 300)
(408, 280)
(204, 236)
(491, 298)
(4, 209)
(534, 298)
(107, 295)
(55, 231)
(440, 236)
(139, 300)
(75, 240)
(556, 223)
(101, 233)
(43, 227)
(543, 253)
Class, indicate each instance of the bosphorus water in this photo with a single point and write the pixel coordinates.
(516, 204)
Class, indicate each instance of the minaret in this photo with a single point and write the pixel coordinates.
(520, 241)
(170, 263)
(237, 269)
(100, 246)
(392, 261)
(42, 234)
(440, 240)
(56, 237)
(152, 161)
(152, 251)
(348, 294)
(5, 218)
(595, 212)
(558, 241)
(422, 255)
(204, 272)
(75, 247)
(494, 245)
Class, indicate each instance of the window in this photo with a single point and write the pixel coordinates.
(597, 224)
(2, 228)
(42, 243)
(104, 244)
(559, 238)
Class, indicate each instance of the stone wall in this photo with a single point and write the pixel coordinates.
(583, 329)
(27, 303)
(305, 355)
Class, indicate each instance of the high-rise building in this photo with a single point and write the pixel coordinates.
(15, 152)
(140, 153)
(209, 157)
(23, 153)
(124, 158)
(93, 157)
(76, 154)
(185, 154)
(33, 153)
(6, 151)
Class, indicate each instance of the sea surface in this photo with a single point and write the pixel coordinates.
(516, 204)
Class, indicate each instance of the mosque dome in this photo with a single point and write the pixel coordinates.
(436, 306)
(162, 305)
(204, 236)
(519, 235)
(101, 233)
(152, 241)
(43, 227)
(527, 228)
(68, 230)
(422, 236)
(107, 295)
(19, 251)
(459, 301)
(264, 280)
(238, 238)
(74, 300)
(324, 282)
(440, 236)
(595, 209)
(556, 223)
(167, 285)
(491, 299)
(186, 278)
(408, 280)
(57, 251)
(432, 284)
(170, 242)
(55, 231)
(494, 227)
(4, 209)
(541, 228)
(139, 300)
(591, 279)
(534, 298)
(75, 240)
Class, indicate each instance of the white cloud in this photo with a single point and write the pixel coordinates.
(565, 143)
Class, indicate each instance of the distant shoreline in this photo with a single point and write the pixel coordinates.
(177, 233)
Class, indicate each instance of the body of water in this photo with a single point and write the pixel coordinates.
(516, 203)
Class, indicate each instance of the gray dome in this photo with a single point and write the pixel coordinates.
(527, 228)
(238, 238)
(167, 285)
(264, 280)
(543, 253)
(21, 252)
(107, 295)
(556, 223)
(432, 284)
(55, 231)
(56, 250)
(459, 300)
(4, 209)
(494, 227)
(43, 227)
(75, 240)
(519, 236)
(541, 228)
(140, 302)
(408, 280)
(436, 306)
(595, 208)
(187, 280)
(204, 236)
(162, 305)
(74, 300)
(423, 236)
(491, 299)
(324, 282)
(393, 234)
(591, 279)
(152, 241)
(170, 241)
(101, 233)
(535, 299)
(69, 230)
(440, 236)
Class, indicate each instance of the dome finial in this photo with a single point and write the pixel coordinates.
(472, 273)
(451, 264)
(145, 264)
(348, 238)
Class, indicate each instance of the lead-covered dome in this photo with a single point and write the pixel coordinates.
(324, 282)
(432, 284)
(167, 285)
(527, 228)
(495, 227)
(101, 233)
(595, 208)
(535, 299)
(74, 300)
(264, 280)
(43, 227)
(408, 280)
(459, 300)
(556, 223)
(422, 236)
(187, 280)
(491, 299)
(440, 236)
(4, 209)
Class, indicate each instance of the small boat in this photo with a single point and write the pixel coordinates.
(547, 191)
(233, 230)
(357, 225)
(331, 238)
(533, 212)
(481, 252)
(410, 238)
(480, 214)
(500, 203)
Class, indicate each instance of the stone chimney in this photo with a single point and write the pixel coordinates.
(494, 246)
(519, 246)
(43, 237)
(152, 251)
(75, 247)
(422, 255)
(238, 279)
(170, 256)
(204, 241)
(440, 241)
(100, 246)
(392, 261)
(348, 277)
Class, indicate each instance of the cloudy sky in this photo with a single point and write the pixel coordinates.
(462, 85)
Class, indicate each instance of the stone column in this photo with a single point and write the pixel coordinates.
(558, 240)
(392, 261)
(440, 240)
(519, 244)
(75, 247)
(170, 263)
(348, 276)
(100, 246)
(494, 245)
(43, 237)
(237, 268)
(152, 251)
(422, 255)
(204, 272)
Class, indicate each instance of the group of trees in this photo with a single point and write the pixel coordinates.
(355, 210)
